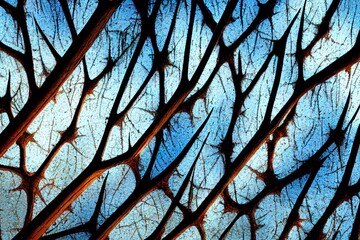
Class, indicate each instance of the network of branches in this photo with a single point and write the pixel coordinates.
(188, 119)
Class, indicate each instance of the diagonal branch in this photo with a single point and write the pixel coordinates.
(58, 76)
